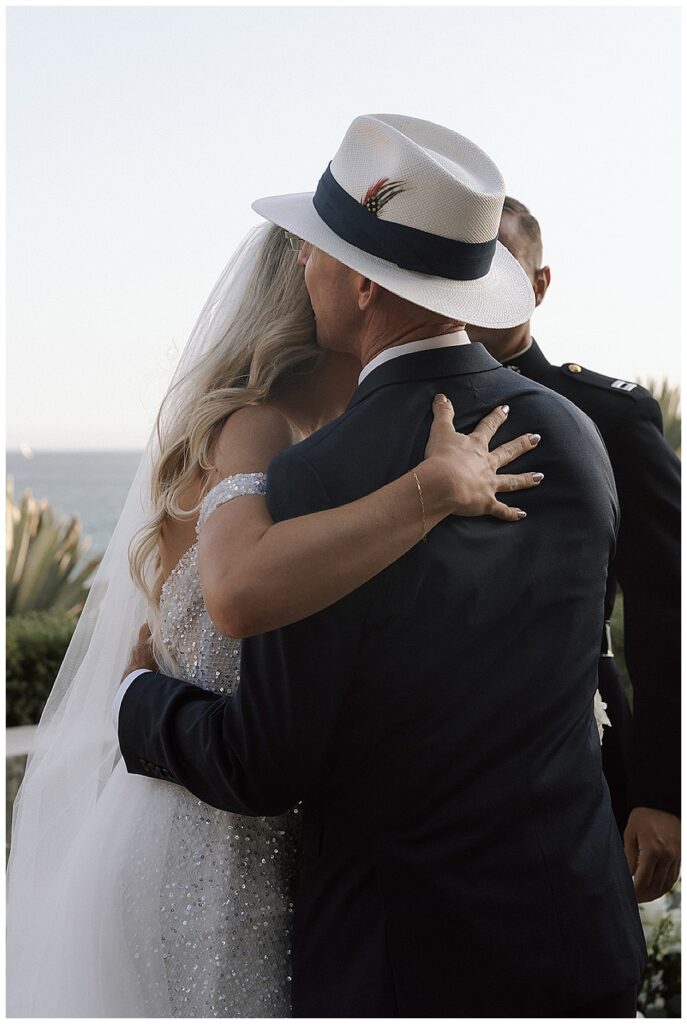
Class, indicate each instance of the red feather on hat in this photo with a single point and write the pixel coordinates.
(379, 194)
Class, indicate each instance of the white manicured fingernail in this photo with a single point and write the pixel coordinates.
(538, 477)
(440, 398)
(521, 514)
(535, 438)
(505, 409)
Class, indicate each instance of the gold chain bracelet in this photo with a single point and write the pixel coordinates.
(422, 506)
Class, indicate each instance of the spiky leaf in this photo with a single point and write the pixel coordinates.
(45, 568)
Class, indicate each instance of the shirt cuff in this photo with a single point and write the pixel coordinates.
(119, 696)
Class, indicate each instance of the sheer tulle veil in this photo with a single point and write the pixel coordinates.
(69, 917)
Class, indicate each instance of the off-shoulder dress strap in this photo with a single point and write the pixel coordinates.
(225, 490)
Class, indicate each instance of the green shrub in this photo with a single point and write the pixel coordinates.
(36, 645)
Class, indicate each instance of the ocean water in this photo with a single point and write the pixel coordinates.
(92, 485)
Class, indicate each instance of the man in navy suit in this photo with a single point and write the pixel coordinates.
(460, 852)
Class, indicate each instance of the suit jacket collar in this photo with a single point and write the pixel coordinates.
(532, 363)
(432, 364)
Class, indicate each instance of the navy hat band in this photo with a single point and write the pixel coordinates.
(409, 248)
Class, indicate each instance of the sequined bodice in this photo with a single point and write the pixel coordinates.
(201, 654)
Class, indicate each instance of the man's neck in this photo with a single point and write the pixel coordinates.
(520, 352)
(512, 344)
(373, 346)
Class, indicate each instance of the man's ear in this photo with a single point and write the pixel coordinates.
(368, 292)
(542, 280)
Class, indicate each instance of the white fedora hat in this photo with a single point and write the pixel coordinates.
(416, 208)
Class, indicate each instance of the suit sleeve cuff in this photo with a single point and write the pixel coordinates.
(119, 696)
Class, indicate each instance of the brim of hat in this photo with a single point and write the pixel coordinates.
(502, 298)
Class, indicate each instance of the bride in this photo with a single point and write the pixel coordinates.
(128, 896)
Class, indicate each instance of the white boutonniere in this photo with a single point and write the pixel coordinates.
(600, 715)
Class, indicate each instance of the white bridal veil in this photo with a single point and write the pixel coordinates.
(70, 917)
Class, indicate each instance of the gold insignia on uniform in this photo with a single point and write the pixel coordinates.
(574, 368)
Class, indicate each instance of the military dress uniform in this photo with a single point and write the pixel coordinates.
(641, 751)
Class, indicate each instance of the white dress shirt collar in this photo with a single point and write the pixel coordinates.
(443, 341)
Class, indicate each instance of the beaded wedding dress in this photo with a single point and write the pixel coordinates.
(227, 884)
(227, 881)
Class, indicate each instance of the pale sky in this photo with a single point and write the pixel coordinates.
(138, 137)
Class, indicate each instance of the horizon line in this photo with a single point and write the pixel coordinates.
(73, 451)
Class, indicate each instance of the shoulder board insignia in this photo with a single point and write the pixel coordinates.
(573, 371)
(515, 369)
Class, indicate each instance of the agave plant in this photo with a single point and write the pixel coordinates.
(45, 567)
(668, 397)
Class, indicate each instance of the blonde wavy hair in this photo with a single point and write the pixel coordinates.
(270, 338)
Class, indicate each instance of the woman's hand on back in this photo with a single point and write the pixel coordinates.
(466, 470)
(257, 575)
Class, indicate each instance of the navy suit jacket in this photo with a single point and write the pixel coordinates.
(460, 852)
